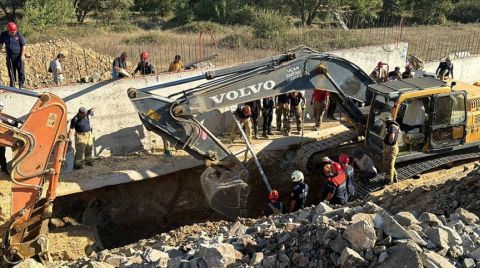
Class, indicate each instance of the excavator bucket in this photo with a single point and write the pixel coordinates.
(225, 192)
(223, 182)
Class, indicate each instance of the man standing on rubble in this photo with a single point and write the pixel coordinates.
(319, 102)
(15, 47)
(267, 113)
(283, 110)
(56, 69)
(299, 193)
(297, 107)
(256, 107)
(390, 146)
(80, 126)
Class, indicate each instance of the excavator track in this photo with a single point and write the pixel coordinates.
(304, 153)
(409, 170)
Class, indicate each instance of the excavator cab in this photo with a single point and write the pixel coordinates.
(432, 117)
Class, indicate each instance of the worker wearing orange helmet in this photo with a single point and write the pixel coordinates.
(243, 113)
(274, 206)
(336, 187)
(144, 66)
(15, 47)
(344, 161)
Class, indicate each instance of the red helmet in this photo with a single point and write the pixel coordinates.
(344, 159)
(273, 195)
(336, 168)
(12, 27)
(246, 110)
(144, 55)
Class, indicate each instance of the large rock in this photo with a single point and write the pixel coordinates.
(444, 237)
(218, 255)
(29, 263)
(468, 263)
(475, 254)
(322, 208)
(466, 216)
(350, 258)
(156, 256)
(257, 258)
(431, 259)
(403, 255)
(390, 226)
(430, 218)
(406, 218)
(338, 244)
(361, 235)
(363, 217)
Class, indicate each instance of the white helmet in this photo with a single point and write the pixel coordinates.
(297, 176)
(385, 116)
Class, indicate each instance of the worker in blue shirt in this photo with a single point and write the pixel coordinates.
(15, 47)
(80, 125)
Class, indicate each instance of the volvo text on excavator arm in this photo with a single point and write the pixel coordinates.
(300, 69)
(38, 148)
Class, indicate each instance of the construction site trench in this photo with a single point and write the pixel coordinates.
(126, 213)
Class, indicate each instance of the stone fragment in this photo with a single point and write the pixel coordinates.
(455, 252)
(29, 263)
(350, 258)
(467, 243)
(337, 213)
(404, 254)
(475, 254)
(372, 208)
(304, 215)
(361, 235)
(269, 261)
(218, 255)
(363, 216)
(430, 218)
(405, 218)
(416, 238)
(338, 244)
(468, 263)
(454, 217)
(379, 249)
(390, 226)
(322, 208)
(93, 264)
(444, 237)
(116, 260)
(383, 257)
(369, 256)
(197, 262)
(257, 258)
(300, 260)
(431, 259)
(331, 233)
(237, 229)
(156, 256)
(466, 216)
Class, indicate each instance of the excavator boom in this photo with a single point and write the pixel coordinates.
(173, 117)
(38, 148)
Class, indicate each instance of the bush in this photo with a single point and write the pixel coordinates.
(150, 38)
(200, 26)
(270, 25)
(42, 13)
(467, 11)
(237, 40)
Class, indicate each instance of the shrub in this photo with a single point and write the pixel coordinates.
(466, 11)
(200, 26)
(270, 25)
(41, 13)
(237, 40)
(150, 38)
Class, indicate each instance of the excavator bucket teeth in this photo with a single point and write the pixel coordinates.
(226, 192)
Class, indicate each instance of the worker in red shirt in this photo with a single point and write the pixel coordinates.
(320, 99)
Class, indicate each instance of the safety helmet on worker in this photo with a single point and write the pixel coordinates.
(12, 27)
(246, 110)
(273, 195)
(344, 159)
(385, 116)
(336, 168)
(297, 176)
(144, 55)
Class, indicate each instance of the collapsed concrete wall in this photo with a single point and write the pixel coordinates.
(116, 126)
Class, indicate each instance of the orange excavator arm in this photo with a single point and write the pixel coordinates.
(38, 148)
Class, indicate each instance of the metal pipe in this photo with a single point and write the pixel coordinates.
(250, 148)
(20, 91)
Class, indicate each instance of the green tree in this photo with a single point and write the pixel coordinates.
(431, 11)
(365, 11)
(10, 8)
(466, 11)
(82, 8)
(157, 7)
(41, 13)
(112, 10)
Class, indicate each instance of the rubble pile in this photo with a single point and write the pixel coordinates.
(319, 236)
(80, 64)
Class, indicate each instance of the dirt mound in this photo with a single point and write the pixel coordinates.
(79, 62)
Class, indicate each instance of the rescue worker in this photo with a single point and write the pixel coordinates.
(365, 167)
(299, 193)
(344, 161)
(320, 100)
(267, 113)
(395, 74)
(380, 74)
(445, 69)
(296, 109)
(80, 126)
(390, 146)
(144, 66)
(274, 207)
(256, 107)
(283, 110)
(176, 65)
(336, 187)
(332, 107)
(15, 47)
(408, 72)
(56, 69)
(242, 114)
(119, 66)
